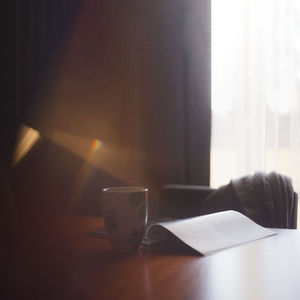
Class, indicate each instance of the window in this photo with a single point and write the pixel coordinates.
(255, 89)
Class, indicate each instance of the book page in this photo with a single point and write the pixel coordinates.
(209, 233)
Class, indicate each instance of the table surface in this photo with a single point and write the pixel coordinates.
(78, 266)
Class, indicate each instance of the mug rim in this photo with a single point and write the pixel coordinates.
(124, 189)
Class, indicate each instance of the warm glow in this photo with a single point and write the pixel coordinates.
(94, 148)
(84, 147)
(96, 145)
(26, 139)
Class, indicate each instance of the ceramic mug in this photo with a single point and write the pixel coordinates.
(125, 211)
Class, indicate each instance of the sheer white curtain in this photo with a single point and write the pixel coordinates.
(255, 88)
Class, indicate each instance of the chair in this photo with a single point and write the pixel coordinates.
(267, 199)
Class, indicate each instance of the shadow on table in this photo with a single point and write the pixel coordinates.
(173, 246)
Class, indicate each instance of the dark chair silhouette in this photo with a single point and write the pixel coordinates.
(267, 199)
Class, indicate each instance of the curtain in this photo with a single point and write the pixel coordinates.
(255, 88)
(43, 31)
(197, 89)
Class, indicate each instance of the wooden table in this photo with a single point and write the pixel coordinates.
(73, 265)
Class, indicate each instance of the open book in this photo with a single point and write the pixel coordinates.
(208, 233)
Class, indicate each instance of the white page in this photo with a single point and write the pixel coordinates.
(210, 233)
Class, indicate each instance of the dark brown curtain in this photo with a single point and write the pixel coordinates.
(43, 32)
(134, 74)
(197, 83)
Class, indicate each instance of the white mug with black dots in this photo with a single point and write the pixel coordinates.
(125, 211)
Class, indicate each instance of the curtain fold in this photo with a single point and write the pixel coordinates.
(44, 28)
(197, 84)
